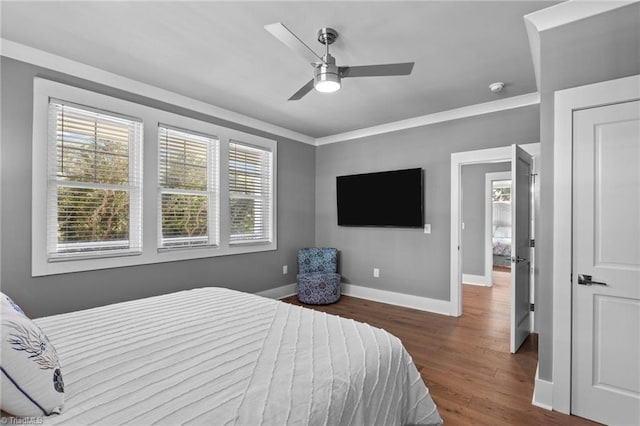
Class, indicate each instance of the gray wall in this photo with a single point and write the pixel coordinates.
(410, 261)
(600, 48)
(473, 215)
(67, 292)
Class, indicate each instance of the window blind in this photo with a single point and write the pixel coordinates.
(188, 176)
(250, 193)
(94, 189)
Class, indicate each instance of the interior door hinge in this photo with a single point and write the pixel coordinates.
(533, 177)
(532, 243)
(532, 307)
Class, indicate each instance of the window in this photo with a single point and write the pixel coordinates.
(188, 201)
(250, 193)
(117, 183)
(94, 191)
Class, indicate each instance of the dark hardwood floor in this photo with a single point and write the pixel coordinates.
(465, 361)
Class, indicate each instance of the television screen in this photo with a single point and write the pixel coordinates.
(393, 198)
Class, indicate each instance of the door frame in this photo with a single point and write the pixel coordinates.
(459, 159)
(566, 102)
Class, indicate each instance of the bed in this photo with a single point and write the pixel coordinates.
(223, 357)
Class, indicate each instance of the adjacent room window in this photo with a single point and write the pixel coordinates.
(250, 193)
(188, 198)
(94, 183)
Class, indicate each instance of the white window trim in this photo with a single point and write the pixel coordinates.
(268, 198)
(151, 117)
(212, 193)
(133, 187)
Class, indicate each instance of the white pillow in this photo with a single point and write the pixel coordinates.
(30, 371)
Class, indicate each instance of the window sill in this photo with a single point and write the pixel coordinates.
(53, 267)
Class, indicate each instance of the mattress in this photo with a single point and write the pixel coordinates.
(221, 357)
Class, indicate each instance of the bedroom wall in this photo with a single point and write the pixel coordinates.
(67, 292)
(567, 60)
(410, 261)
(473, 215)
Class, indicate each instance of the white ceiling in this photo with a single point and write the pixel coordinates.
(219, 53)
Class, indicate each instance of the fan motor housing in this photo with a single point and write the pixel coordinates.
(327, 35)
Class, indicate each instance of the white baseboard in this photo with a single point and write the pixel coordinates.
(542, 393)
(482, 280)
(384, 296)
(407, 300)
(280, 292)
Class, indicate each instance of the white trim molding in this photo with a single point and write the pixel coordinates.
(399, 299)
(542, 393)
(280, 292)
(438, 117)
(426, 304)
(481, 280)
(48, 60)
(44, 59)
(566, 102)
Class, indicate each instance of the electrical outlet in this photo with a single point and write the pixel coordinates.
(376, 272)
(427, 228)
(285, 269)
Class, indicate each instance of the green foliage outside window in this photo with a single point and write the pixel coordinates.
(90, 215)
(242, 216)
(84, 155)
(184, 215)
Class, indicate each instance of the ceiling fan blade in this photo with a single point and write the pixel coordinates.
(404, 68)
(303, 91)
(292, 41)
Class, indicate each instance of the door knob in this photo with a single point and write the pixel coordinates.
(518, 259)
(584, 279)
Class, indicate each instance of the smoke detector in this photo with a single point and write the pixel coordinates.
(496, 87)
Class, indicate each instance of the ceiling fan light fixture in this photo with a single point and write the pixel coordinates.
(327, 75)
(327, 86)
(327, 78)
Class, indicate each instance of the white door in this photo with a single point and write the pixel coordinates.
(520, 246)
(606, 264)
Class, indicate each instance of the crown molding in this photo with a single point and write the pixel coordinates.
(44, 59)
(559, 15)
(57, 63)
(438, 117)
(535, 23)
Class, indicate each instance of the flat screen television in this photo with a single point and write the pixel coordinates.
(393, 199)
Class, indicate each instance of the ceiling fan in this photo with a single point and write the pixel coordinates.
(327, 75)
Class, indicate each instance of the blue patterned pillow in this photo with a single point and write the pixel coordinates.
(31, 377)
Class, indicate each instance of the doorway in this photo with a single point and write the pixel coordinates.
(486, 223)
(522, 165)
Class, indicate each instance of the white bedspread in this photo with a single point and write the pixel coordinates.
(221, 357)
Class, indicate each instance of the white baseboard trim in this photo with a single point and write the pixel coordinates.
(279, 292)
(407, 300)
(482, 280)
(542, 393)
(384, 296)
